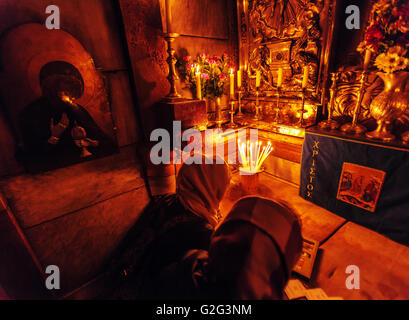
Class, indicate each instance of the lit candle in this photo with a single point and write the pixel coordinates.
(239, 78)
(231, 82)
(367, 59)
(218, 108)
(198, 84)
(168, 16)
(258, 78)
(305, 77)
(280, 78)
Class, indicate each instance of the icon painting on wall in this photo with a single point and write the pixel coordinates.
(61, 113)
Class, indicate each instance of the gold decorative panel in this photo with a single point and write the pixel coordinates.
(286, 34)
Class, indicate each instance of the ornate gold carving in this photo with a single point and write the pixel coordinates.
(284, 34)
(271, 19)
(354, 127)
(347, 94)
(290, 112)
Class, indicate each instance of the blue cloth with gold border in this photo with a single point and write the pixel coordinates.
(322, 162)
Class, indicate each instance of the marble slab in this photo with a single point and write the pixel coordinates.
(34, 199)
(317, 223)
(383, 265)
(80, 243)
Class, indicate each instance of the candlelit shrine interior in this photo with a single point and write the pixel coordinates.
(292, 71)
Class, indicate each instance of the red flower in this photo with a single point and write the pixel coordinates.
(187, 58)
(373, 32)
(204, 76)
(372, 36)
(216, 58)
(222, 76)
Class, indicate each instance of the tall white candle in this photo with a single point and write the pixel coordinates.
(168, 16)
(258, 78)
(218, 108)
(367, 59)
(231, 82)
(280, 78)
(239, 78)
(198, 84)
(305, 77)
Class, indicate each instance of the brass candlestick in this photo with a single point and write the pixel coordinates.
(240, 114)
(257, 115)
(302, 110)
(232, 103)
(172, 77)
(331, 124)
(218, 120)
(277, 117)
(354, 127)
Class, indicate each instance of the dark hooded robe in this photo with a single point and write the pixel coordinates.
(167, 230)
(250, 257)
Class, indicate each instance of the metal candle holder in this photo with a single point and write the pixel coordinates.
(232, 103)
(331, 124)
(354, 127)
(277, 117)
(219, 119)
(302, 110)
(240, 114)
(171, 60)
(257, 115)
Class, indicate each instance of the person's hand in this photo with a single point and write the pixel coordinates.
(58, 129)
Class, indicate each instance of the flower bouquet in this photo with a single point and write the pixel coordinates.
(213, 72)
(387, 36)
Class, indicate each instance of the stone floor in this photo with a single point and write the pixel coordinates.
(383, 263)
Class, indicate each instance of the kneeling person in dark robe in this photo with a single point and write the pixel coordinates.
(250, 257)
(170, 228)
